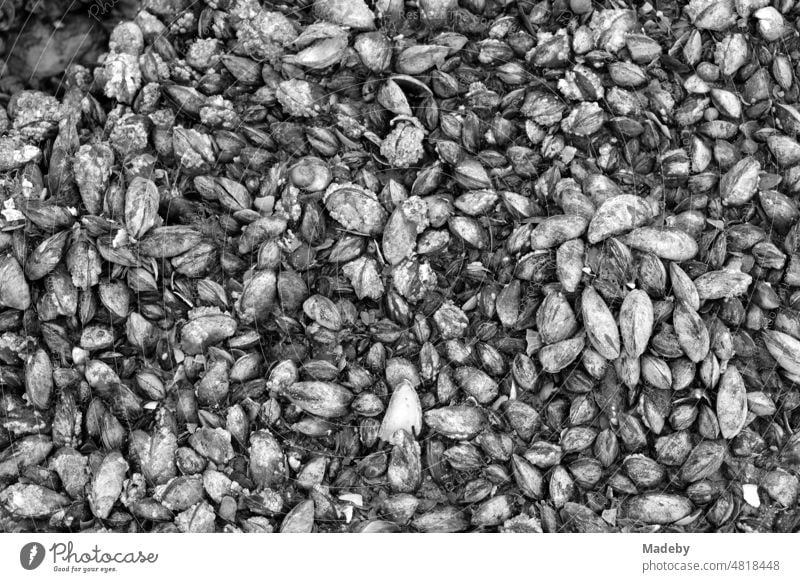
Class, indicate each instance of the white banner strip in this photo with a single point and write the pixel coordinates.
(400, 557)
